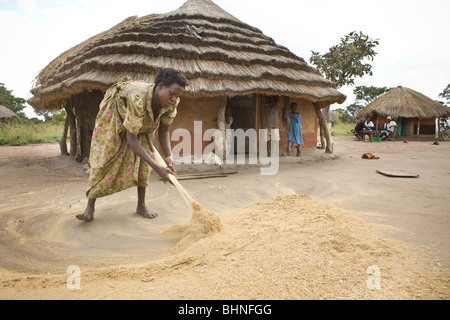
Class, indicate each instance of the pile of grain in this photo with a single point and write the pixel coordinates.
(202, 224)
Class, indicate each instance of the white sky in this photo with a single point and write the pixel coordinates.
(414, 35)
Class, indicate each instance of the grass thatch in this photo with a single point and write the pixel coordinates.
(405, 103)
(219, 55)
(7, 113)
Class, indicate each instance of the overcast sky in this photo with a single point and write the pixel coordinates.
(414, 35)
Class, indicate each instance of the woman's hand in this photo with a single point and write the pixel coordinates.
(170, 164)
(164, 173)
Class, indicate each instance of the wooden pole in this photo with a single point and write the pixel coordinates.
(286, 112)
(72, 127)
(63, 142)
(418, 128)
(324, 128)
(222, 125)
(257, 119)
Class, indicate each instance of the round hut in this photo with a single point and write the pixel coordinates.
(7, 115)
(228, 64)
(414, 112)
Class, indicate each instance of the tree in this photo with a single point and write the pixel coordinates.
(346, 60)
(353, 109)
(446, 94)
(343, 115)
(367, 94)
(343, 63)
(48, 115)
(7, 99)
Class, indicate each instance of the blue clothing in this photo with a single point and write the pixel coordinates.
(295, 130)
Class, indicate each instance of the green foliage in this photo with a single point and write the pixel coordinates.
(346, 60)
(343, 115)
(59, 117)
(366, 94)
(30, 133)
(446, 94)
(7, 99)
(353, 109)
(44, 113)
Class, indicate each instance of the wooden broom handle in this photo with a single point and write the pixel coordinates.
(186, 196)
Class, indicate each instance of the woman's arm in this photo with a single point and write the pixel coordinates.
(139, 150)
(164, 141)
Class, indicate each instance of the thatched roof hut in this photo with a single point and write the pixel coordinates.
(219, 54)
(6, 113)
(403, 102)
(409, 107)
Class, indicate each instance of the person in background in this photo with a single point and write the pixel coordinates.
(271, 122)
(360, 126)
(368, 125)
(295, 132)
(121, 154)
(228, 134)
(388, 129)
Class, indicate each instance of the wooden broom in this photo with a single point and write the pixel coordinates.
(186, 196)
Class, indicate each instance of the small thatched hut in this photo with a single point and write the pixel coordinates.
(414, 112)
(7, 115)
(225, 60)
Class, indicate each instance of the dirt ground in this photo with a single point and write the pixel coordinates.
(313, 231)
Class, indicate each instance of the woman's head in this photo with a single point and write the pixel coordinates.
(169, 86)
(294, 107)
(169, 76)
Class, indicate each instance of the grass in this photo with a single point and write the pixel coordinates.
(22, 134)
(342, 129)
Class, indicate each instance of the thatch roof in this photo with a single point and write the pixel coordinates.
(219, 55)
(405, 103)
(7, 113)
(332, 117)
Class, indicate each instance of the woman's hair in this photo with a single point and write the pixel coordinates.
(169, 76)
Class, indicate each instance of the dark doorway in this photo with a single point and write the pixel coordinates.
(243, 110)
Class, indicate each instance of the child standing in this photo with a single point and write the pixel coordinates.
(295, 132)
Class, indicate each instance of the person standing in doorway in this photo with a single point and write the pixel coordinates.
(295, 132)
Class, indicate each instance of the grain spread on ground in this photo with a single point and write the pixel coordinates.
(291, 247)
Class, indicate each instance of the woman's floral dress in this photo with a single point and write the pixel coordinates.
(114, 166)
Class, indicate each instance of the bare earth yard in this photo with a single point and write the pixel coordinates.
(316, 230)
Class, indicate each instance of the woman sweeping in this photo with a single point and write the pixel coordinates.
(295, 132)
(121, 148)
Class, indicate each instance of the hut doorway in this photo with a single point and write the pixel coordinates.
(244, 113)
(403, 124)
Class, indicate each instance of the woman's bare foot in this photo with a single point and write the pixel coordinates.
(88, 214)
(143, 211)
